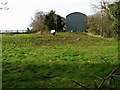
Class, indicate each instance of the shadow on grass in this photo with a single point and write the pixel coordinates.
(55, 75)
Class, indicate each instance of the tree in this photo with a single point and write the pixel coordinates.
(47, 21)
(114, 11)
(102, 23)
(100, 26)
(54, 21)
(4, 6)
(60, 23)
(50, 19)
(38, 22)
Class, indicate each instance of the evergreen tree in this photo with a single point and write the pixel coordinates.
(50, 20)
(54, 21)
(59, 23)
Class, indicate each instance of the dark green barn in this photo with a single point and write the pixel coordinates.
(76, 22)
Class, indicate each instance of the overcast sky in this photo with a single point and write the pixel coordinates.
(20, 11)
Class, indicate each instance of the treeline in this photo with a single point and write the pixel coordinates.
(47, 21)
(107, 21)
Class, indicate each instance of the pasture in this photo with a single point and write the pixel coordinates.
(45, 61)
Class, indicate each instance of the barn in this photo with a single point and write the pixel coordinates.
(76, 22)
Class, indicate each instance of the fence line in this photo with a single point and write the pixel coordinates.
(12, 31)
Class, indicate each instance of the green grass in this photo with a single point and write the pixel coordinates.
(37, 61)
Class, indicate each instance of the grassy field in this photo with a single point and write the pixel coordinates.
(44, 61)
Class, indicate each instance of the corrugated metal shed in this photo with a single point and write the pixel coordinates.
(76, 22)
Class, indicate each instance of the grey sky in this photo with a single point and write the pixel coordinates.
(20, 12)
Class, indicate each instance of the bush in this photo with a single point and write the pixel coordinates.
(100, 24)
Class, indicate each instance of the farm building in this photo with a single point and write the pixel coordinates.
(76, 22)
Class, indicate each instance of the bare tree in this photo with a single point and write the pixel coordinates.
(4, 6)
(100, 5)
(38, 21)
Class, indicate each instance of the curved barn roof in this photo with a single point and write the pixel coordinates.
(76, 22)
(75, 13)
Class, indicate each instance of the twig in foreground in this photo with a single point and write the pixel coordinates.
(80, 85)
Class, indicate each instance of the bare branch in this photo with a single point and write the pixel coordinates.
(113, 71)
(96, 76)
(109, 76)
(116, 76)
(4, 3)
(80, 85)
(6, 8)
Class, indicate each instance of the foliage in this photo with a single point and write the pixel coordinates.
(50, 20)
(47, 21)
(43, 61)
(60, 23)
(106, 22)
(100, 24)
(54, 21)
(114, 10)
